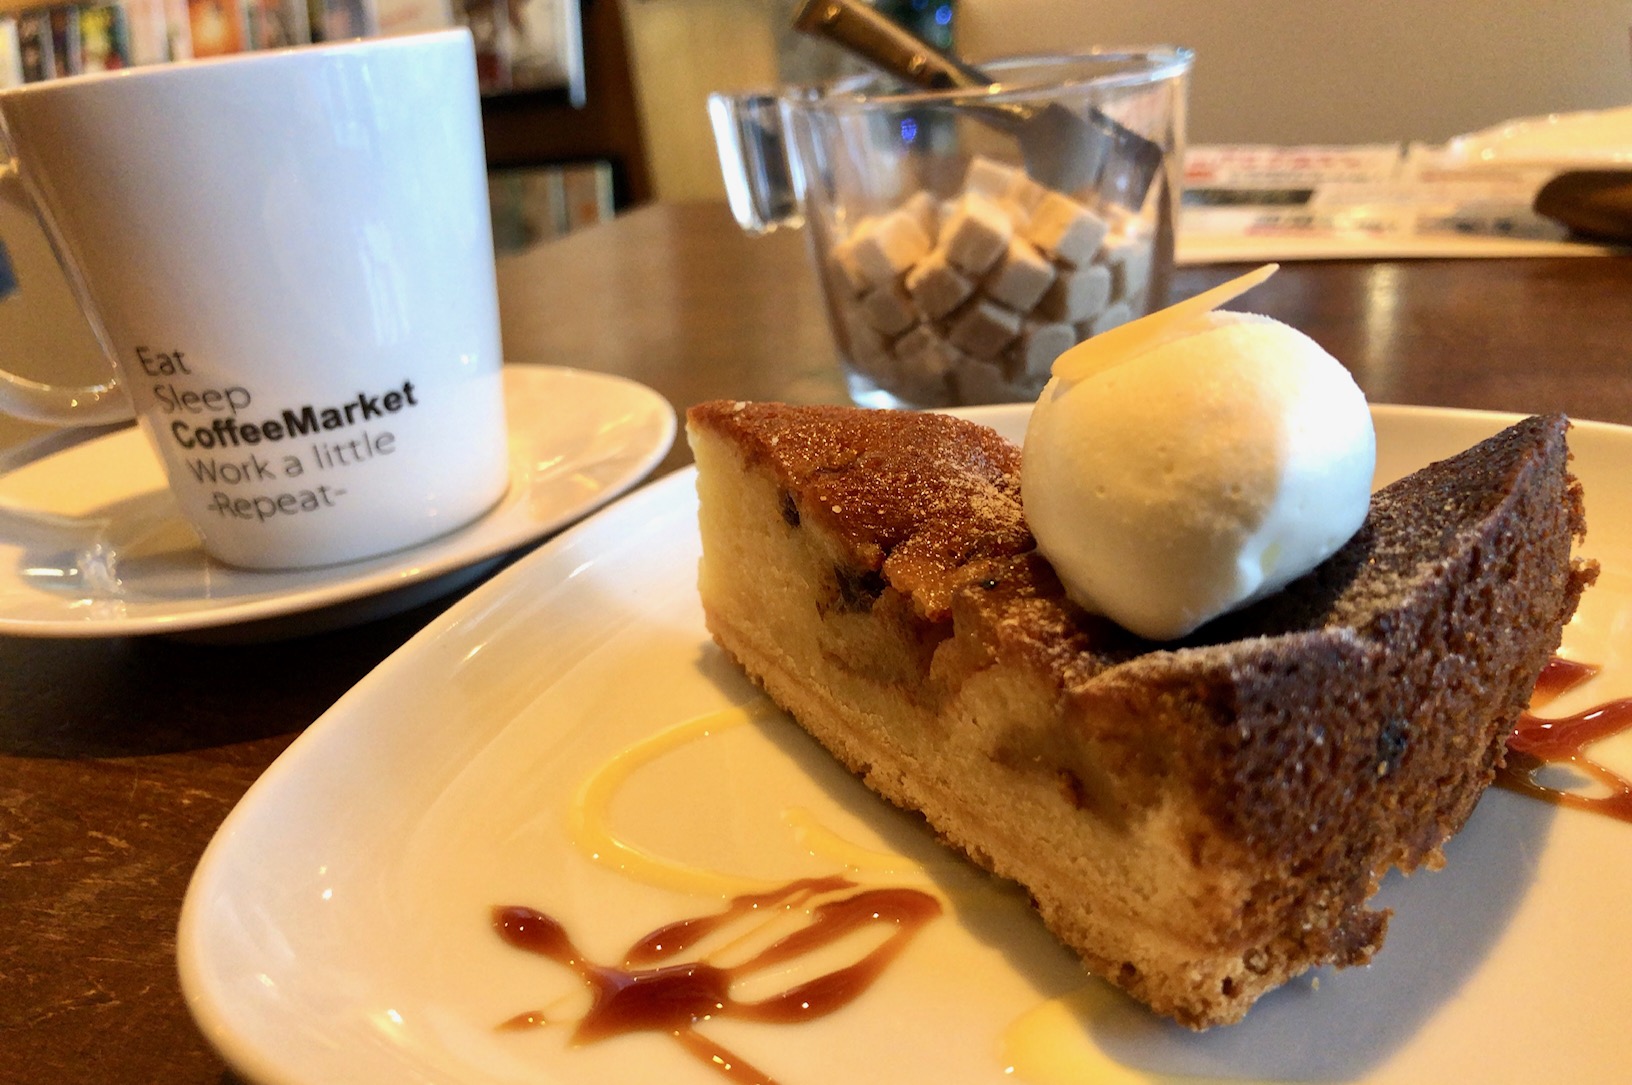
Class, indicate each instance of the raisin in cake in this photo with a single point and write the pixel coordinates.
(1200, 820)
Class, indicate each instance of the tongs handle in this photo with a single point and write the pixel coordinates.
(860, 28)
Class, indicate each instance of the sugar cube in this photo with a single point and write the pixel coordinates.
(1026, 194)
(1129, 261)
(867, 347)
(1118, 312)
(1065, 230)
(978, 381)
(925, 211)
(936, 286)
(991, 178)
(885, 246)
(1039, 344)
(888, 309)
(1076, 294)
(1021, 276)
(976, 233)
(983, 328)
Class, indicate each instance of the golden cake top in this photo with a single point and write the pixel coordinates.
(920, 498)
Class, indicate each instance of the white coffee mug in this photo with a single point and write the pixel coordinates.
(288, 258)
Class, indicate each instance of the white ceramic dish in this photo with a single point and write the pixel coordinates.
(337, 929)
(92, 544)
(1589, 139)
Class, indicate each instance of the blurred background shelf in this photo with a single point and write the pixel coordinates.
(544, 127)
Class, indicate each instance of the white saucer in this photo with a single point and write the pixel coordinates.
(92, 544)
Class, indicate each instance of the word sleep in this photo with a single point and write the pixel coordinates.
(210, 401)
(228, 432)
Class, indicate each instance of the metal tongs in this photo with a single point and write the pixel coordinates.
(1065, 150)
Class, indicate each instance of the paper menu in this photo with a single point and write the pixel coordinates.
(1370, 201)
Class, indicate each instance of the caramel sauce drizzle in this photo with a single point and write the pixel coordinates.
(1537, 742)
(655, 990)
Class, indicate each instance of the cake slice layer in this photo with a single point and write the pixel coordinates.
(1201, 820)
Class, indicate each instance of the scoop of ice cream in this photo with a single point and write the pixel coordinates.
(1216, 459)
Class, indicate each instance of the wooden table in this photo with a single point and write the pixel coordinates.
(118, 758)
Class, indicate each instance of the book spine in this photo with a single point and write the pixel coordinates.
(531, 204)
(489, 25)
(34, 46)
(588, 190)
(546, 44)
(11, 63)
(412, 16)
(104, 35)
(178, 25)
(217, 27)
(275, 24)
(145, 24)
(67, 55)
(343, 19)
(298, 20)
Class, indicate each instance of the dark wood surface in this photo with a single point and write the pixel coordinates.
(119, 757)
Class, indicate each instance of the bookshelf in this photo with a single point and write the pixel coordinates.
(580, 108)
(543, 127)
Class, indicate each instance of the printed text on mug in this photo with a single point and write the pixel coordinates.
(325, 448)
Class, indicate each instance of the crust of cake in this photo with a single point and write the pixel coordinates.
(1200, 821)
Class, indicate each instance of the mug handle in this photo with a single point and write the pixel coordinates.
(52, 404)
(762, 183)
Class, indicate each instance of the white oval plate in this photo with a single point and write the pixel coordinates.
(92, 544)
(337, 929)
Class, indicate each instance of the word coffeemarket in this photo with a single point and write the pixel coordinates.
(227, 432)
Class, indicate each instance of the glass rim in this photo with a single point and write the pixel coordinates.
(1140, 66)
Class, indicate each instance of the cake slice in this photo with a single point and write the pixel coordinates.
(1200, 820)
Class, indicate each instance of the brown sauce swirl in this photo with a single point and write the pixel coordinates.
(655, 990)
(1537, 742)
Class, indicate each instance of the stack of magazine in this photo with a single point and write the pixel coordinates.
(521, 44)
(532, 204)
